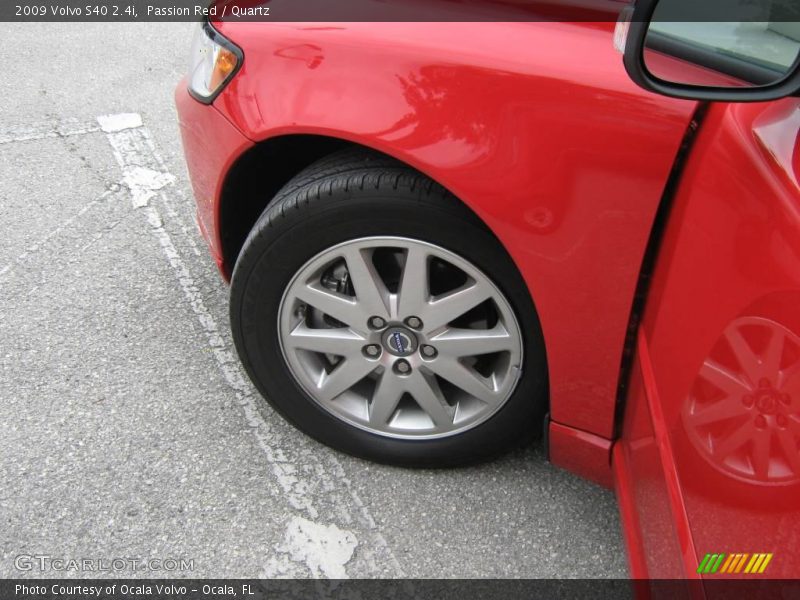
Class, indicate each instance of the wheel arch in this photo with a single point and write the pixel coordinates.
(254, 179)
(550, 161)
(261, 171)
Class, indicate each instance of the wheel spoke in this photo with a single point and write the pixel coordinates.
(413, 292)
(371, 292)
(465, 379)
(786, 375)
(747, 359)
(346, 374)
(789, 445)
(385, 400)
(771, 360)
(722, 410)
(448, 308)
(723, 378)
(334, 305)
(340, 342)
(426, 392)
(473, 342)
(733, 441)
(760, 455)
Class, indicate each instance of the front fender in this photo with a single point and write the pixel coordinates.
(535, 126)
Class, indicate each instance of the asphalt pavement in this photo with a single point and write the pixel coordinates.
(129, 431)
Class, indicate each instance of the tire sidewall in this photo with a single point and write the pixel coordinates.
(278, 249)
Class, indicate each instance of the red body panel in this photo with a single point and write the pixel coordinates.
(211, 145)
(632, 532)
(538, 129)
(583, 453)
(651, 501)
(535, 126)
(719, 352)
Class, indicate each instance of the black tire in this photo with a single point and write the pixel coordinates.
(354, 194)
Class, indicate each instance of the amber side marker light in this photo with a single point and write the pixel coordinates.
(214, 62)
(224, 66)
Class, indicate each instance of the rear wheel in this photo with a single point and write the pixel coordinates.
(381, 317)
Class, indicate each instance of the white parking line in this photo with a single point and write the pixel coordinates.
(147, 177)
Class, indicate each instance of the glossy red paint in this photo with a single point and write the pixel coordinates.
(211, 145)
(582, 453)
(535, 126)
(646, 507)
(662, 443)
(628, 515)
(722, 332)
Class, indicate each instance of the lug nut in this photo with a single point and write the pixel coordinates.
(377, 323)
(402, 367)
(372, 350)
(428, 351)
(414, 322)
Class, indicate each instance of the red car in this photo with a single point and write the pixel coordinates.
(445, 238)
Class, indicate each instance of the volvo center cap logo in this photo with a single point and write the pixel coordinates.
(400, 341)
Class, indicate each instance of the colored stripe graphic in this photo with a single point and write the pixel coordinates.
(764, 564)
(727, 564)
(759, 560)
(734, 563)
(717, 564)
(701, 568)
(741, 563)
(711, 560)
(756, 558)
(710, 563)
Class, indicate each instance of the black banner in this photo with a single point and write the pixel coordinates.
(447, 589)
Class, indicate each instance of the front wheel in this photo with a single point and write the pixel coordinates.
(364, 311)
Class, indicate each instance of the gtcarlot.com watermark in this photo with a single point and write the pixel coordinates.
(47, 563)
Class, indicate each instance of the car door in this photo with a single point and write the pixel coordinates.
(708, 463)
(712, 422)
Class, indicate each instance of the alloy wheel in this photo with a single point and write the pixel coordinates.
(400, 337)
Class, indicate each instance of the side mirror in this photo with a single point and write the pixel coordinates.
(726, 50)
